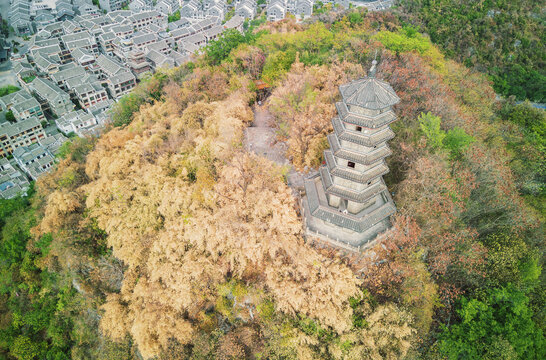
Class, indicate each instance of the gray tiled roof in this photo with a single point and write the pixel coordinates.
(121, 77)
(74, 72)
(47, 90)
(109, 65)
(369, 93)
(19, 127)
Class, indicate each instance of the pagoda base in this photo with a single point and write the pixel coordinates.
(354, 231)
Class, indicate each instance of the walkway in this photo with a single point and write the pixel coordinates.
(261, 139)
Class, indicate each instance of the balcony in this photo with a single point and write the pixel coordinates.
(350, 194)
(353, 175)
(359, 137)
(372, 122)
(365, 159)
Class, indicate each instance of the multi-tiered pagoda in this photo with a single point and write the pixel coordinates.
(347, 201)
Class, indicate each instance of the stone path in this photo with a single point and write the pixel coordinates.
(260, 138)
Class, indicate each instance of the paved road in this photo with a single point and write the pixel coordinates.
(7, 77)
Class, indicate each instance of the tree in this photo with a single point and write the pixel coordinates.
(10, 117)
(456, 141)
(174, 17)
(8, 89)
(502, 319)
(430, 125)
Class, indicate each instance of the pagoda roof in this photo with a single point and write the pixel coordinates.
(369, 93)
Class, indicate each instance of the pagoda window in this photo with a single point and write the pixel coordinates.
(351, 164)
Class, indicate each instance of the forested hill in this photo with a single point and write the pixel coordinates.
(504, 38)
(164, 239)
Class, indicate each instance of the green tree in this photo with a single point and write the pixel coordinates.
(8, 89)
(500, 324)
(10, 117)
(456, 142)
(430, 125)
(220, 49)
(174, 16)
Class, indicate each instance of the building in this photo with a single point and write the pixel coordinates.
(146, 18)
(61, 77)
(236, 22)
(12, 181)
(158, 60)
(138, 64)
(22, 105)
(89, 92)
(276, 10)
(347, 203)
(35, 160)
(112, 5)
(22, 133)
(78, 122)
(51, 96)
(303, 8)
(246, 9)
(19, 17)
(121, 84)
(24, 72)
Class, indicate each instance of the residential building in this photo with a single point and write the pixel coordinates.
(35, 160)
(60, 78)
(158, 60)
(90, 92)
(78, 122)
(137, 63)
(22, 105)
(112, 5)
(276, 10)
(236, 22)
(143, 19)
(51, 96)
(19, 17)
(85, 59)
(246, 9)
(21, 133)
(12, 181)
(120, 84)
(24, 72)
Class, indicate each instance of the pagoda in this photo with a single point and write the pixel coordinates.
(347, 201)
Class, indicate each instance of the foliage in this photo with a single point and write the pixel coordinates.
(219, 49)
(501, 319)
(29, 79)
(8, 89)
(455, 141)
(430, 125)
(164, 238)
(5, 28)
(502, 38)
(174, 16)
(526, 137)
(149, 90)
(10, 117)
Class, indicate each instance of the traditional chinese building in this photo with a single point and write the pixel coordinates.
(347, 202)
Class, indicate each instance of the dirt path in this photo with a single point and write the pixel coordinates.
(260, 138)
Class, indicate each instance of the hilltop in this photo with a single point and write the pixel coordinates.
(165, 239)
